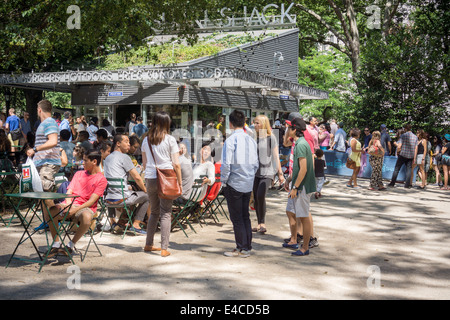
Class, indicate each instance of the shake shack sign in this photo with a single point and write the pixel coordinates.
(271, 15)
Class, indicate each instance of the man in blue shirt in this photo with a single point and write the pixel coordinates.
(65, 124)
(25, 124)
(339, 139)
(139, 129)
(12, 123)
(237, 172)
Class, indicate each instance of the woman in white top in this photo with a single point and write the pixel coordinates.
(166, 152)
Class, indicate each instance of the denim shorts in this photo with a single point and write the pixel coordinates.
(419, 159)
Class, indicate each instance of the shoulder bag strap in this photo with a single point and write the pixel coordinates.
(151, 150)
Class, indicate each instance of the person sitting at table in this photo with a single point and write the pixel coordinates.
(187, 175)
(119, 165)
(5, 149)
(105, 150)
(5, 144)
(83, 140)
(89, 185)
(204, 170)
(133, 153)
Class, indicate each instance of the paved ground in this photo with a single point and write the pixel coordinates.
(373, 245)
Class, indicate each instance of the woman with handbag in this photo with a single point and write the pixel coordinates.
(355, 156)
(376, 153)
(163, 179)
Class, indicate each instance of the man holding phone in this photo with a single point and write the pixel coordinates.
(300, 185)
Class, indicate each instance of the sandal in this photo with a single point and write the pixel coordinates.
(262, 230)
(349, 185)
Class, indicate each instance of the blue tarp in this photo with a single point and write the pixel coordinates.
(336, 166)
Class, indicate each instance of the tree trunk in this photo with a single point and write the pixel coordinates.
(32, 97)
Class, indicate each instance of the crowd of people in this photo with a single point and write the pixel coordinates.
(249, 161)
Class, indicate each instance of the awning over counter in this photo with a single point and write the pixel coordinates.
(259, 72)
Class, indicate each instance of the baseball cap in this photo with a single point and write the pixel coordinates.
(298, 124)
(383, 126)
(447, 136)
(292, 116)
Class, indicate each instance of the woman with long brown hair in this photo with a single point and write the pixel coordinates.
(163, 154)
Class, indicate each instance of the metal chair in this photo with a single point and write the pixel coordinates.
(182, 212)
(118, 183)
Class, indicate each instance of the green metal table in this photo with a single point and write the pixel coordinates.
(40, 198)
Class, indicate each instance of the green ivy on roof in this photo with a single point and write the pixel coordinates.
(169, 53)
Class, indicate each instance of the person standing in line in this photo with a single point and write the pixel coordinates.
(12, 123)
(164, 154)
(339, 139)
(46, 151)
(420, 153)
(437, 145)
(237, 172)
(300, 185)
(269, 166)
(25, 126)
(319, 171)
(405, 157)
(139, 129)
(376, 162)
(81, 124)
(108, 127)
(92, 129)
(130, 124)
(311, 127)
(385, 140)
(324, 137)
(221, 126)
(446, 161)
(367, 137)
(289, 140)
(355, 156)
(66, 124)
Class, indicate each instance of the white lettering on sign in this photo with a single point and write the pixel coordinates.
(256, 18)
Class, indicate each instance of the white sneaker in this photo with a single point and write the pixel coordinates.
(237, 253)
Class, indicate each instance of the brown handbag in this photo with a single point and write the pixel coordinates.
(350, 164)
(168, 187)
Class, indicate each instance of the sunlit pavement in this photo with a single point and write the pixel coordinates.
(389, 244)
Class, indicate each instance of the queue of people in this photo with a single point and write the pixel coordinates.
(252, 158)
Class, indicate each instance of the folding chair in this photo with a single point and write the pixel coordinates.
(118, 183)
(103, 214)
(68, 224)
(211, 197)
(182, 213)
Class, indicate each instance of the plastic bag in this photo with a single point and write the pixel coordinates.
(30, 180)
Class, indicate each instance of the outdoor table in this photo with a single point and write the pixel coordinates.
(40, 198)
